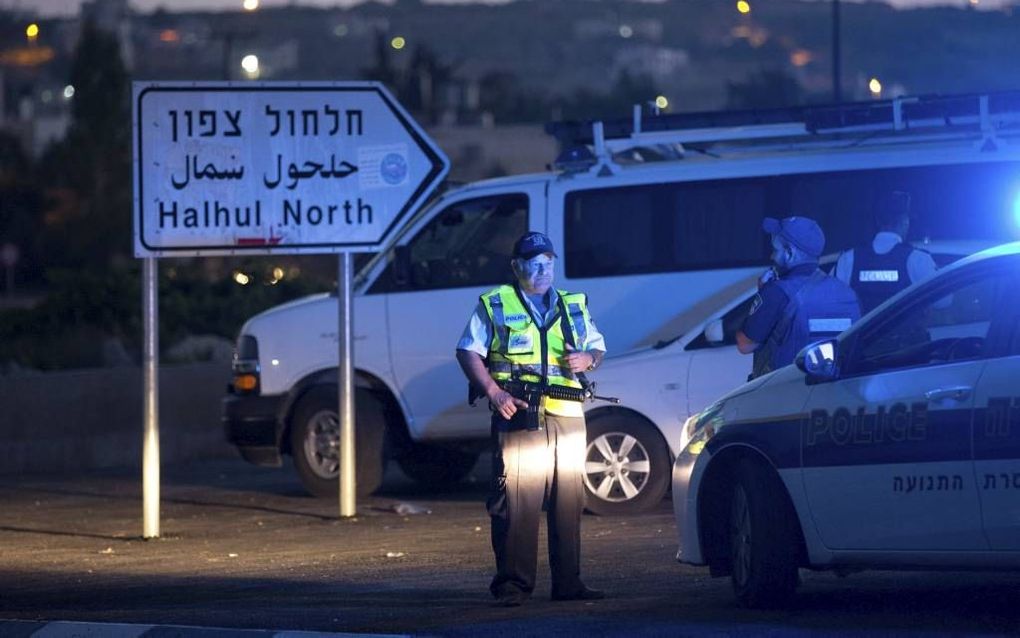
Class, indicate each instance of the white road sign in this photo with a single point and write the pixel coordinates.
(228, 168)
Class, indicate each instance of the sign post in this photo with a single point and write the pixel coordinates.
(267, 168)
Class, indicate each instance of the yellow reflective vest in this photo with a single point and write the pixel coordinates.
(522, 349)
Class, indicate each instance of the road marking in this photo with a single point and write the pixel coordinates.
(68, 629)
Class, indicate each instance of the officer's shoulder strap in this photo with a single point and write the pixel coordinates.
(496, 292)
(568, 296)
(785, 286)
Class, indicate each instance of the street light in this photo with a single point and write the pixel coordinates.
(250, 65)
(32, 32)
(875, 87)
(744, 7)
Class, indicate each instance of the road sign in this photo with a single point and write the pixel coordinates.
(229, 168)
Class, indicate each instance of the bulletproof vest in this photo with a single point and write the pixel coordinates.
(818, 306)
(876, 278)
(523, 350)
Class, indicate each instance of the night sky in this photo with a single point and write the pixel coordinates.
(47, 8)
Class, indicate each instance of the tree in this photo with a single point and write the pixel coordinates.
(19, 208)
(88, 174)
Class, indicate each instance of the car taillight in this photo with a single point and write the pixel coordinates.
(246, 366)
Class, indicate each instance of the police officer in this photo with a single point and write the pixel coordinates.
(880, 269)
(529, 331)
(797, 303)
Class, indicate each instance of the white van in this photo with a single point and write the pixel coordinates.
(657, 227)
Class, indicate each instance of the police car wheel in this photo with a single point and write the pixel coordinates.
(762, 536)
(626, 466)
(315, 441)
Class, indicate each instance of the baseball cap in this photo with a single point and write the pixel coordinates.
(802, 232)
(531, 244)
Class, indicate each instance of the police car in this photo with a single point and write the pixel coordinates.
(894, 445)
(631, 446)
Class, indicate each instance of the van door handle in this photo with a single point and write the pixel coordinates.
(956, 393)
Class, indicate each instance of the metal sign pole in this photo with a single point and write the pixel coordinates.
(150, 442)
(345, 372)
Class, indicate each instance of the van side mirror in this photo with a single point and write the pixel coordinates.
(818, 361)
(714, 332)
(401, 265)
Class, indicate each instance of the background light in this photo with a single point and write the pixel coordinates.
(241, 278)
(1016, 208)
(68, 92)
(32, 31)
(250, 5)
(626, 31)
(250, 64)
(744, 7)
(875, 86)
(661, 102)
(398, 43)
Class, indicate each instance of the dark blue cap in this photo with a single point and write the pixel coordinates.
(802, 232)
(531, 244)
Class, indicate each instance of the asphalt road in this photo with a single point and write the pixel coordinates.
(243, 547)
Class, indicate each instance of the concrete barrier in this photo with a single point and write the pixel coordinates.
(91, 419)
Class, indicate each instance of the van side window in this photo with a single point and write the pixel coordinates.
(467, 244)
(665, 227)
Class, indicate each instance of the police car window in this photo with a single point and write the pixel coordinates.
(467, 244)
(951, 324)
(664, 227)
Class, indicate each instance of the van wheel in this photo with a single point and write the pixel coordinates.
(436, 466)
(626, 466)
(763, 539)
(315, 441)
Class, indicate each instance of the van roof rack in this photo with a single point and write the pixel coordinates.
(987, 112)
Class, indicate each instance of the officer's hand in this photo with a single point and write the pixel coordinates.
(577, 361)
(767, 276)
(506, 404)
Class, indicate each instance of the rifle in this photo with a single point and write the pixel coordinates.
(532, 393)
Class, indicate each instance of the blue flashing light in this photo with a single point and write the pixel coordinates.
(1016, 209)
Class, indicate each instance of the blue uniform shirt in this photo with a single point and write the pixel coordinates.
(767, 307)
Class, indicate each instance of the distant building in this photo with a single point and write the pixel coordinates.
(661, 63)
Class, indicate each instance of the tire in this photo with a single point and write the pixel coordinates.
(626, 466)
(315, 441)
(436, 466)
(763, 539)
